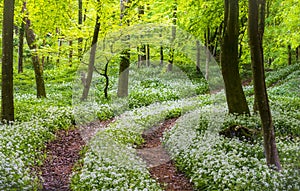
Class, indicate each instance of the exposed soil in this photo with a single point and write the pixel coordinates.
(63, 153)
(159, 162)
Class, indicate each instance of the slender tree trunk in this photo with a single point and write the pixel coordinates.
(161, 52)
(208, 55)
(71, 52)
(142, 55)
(80, 39)
(59, 51)
(142, 48)
(235, 96)
(7, 96)
(161, 55)
(171, 57)
(297, 54)
(89, 77)
(21, 41)
(148, 55)
(125, 59)
(38, 68)
(198, 56)
(289, 54)
(256, 29)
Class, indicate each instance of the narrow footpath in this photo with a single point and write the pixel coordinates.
(159, 162)
(63, 153)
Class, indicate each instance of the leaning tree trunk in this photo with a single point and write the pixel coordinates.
(235, 96)
(38, 68)
(7, 95)
(89, 77)
(256, 30)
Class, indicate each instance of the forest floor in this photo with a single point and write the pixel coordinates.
(64, 152)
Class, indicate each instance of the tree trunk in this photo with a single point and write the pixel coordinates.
(71, 52)
(290, 54)
(256, 30)
(38, 68)
(297, 54)
(235, 96)
(171, 57)
(161, 52)
(89, 77)
(148, 55)
(124, 74)
(142, 48)
(125, 59)
(7, 96)
(80, 39)
(142, 55)
(198, 56)
(59, 51)
(21, 41)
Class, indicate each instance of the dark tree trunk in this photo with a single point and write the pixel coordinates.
(198, 56)
(7, 96)
(161, 52)
(142, 55)
(21, 41)
(256, 29)
(89, 77)
(105, 74)
(125, 58)
(289, 54)
(59, 51)
(79, 26)
(38, 68)
(148, 55)
(71, 52)
(236, 99)
(171, 56)
(297, 54)
(208, 55)
(142, 48)
(161, 55)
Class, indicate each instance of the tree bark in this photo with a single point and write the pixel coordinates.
(71, 52)
(7, 96)
(297, 54)
(235, 96)
(89, 77)
(38, 68)
(289, 54)
(256, 29)
(125, 58)
(161, 52)
(142, 48)
(148, 55)
(172, 49)
(198, 56)
(80, 39)
(21, 41)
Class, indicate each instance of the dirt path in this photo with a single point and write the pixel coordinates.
(160, 165)
(63, 153)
